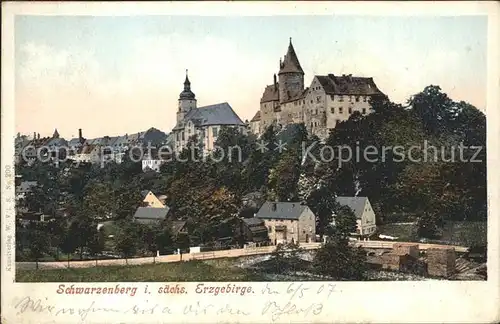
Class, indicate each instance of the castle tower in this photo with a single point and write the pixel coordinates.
(187, 100)
(291, 75)
(56, 134)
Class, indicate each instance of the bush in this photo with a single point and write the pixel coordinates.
(336, 259)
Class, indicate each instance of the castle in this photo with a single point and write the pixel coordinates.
(328, 100)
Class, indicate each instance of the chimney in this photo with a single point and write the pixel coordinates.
(34, 135)
(80, 137)
(275, 83)
(38, 135)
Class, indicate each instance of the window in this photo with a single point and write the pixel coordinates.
(341, 98)
(291, 230)
(364, 98)
(311, 101)
(310, 229)
(332, 110)
(350, 110)
(364, 111)
(357, 98)
(350, 98)
(316, 112)
(341, 110)
(311, 124)
(337, 121)
(182, 135)
(318, 99)
(215, 131)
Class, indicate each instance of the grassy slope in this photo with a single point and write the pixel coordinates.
(185, 271)
(458, 233)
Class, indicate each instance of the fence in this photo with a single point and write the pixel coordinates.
(234, 253)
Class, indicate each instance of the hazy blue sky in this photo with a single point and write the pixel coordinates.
(116, 75)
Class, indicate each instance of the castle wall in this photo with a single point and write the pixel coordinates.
(267, 114)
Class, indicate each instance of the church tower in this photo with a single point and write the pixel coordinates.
(291, 75)
(187, 100)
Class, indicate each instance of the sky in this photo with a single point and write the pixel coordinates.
(118, 75)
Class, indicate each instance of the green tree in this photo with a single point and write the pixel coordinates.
(39, 242)
(127, 239)
(283, 180)
(322, 203)
(96, 244)
(339, 261)
(182, 243)
(68, 243)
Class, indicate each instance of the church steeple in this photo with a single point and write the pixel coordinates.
(56, 134)
(187, 84)
(187, 100)
(187, 93)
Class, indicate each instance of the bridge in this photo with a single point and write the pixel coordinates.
(233, 253)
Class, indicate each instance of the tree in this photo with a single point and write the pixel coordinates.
(287, 257)
(339, 261)
(82, 230)
(182, 242)
(322, 203)
(283, 180)
(39, 242)
(68, 243)
(345, 223)
(126, 239)
(96, 244)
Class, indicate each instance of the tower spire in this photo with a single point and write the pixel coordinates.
(291, 62)
(187, 93)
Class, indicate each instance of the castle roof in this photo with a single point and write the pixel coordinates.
(256, 117)
(348, 85)
(290, 63)
(218, 114)
(271, 93)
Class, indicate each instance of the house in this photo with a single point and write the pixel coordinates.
(152, 162)
(365, 216)
(179, 227)
(88, 153)
(24, 188)
(288, 222)
(150, 216)
(254, 230)
(153, 201)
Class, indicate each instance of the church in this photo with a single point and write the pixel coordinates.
(329, 99)
(204, 122)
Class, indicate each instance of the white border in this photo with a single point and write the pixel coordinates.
(394, 302)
